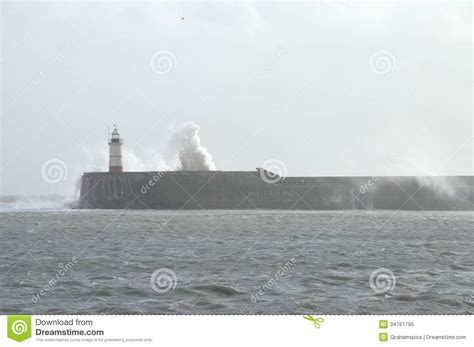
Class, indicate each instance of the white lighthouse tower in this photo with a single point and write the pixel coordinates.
(115, 151)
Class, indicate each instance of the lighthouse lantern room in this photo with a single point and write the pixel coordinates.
(115, 151)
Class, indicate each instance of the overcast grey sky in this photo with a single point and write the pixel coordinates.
(327, 88)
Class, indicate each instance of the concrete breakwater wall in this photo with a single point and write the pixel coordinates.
(248, 190)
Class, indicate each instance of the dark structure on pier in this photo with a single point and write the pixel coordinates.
(262, 189)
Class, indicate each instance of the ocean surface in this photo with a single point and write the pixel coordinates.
(64, 261)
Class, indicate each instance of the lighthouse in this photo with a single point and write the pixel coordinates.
(115, 151)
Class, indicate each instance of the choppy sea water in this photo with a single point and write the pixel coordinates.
(236, 262)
